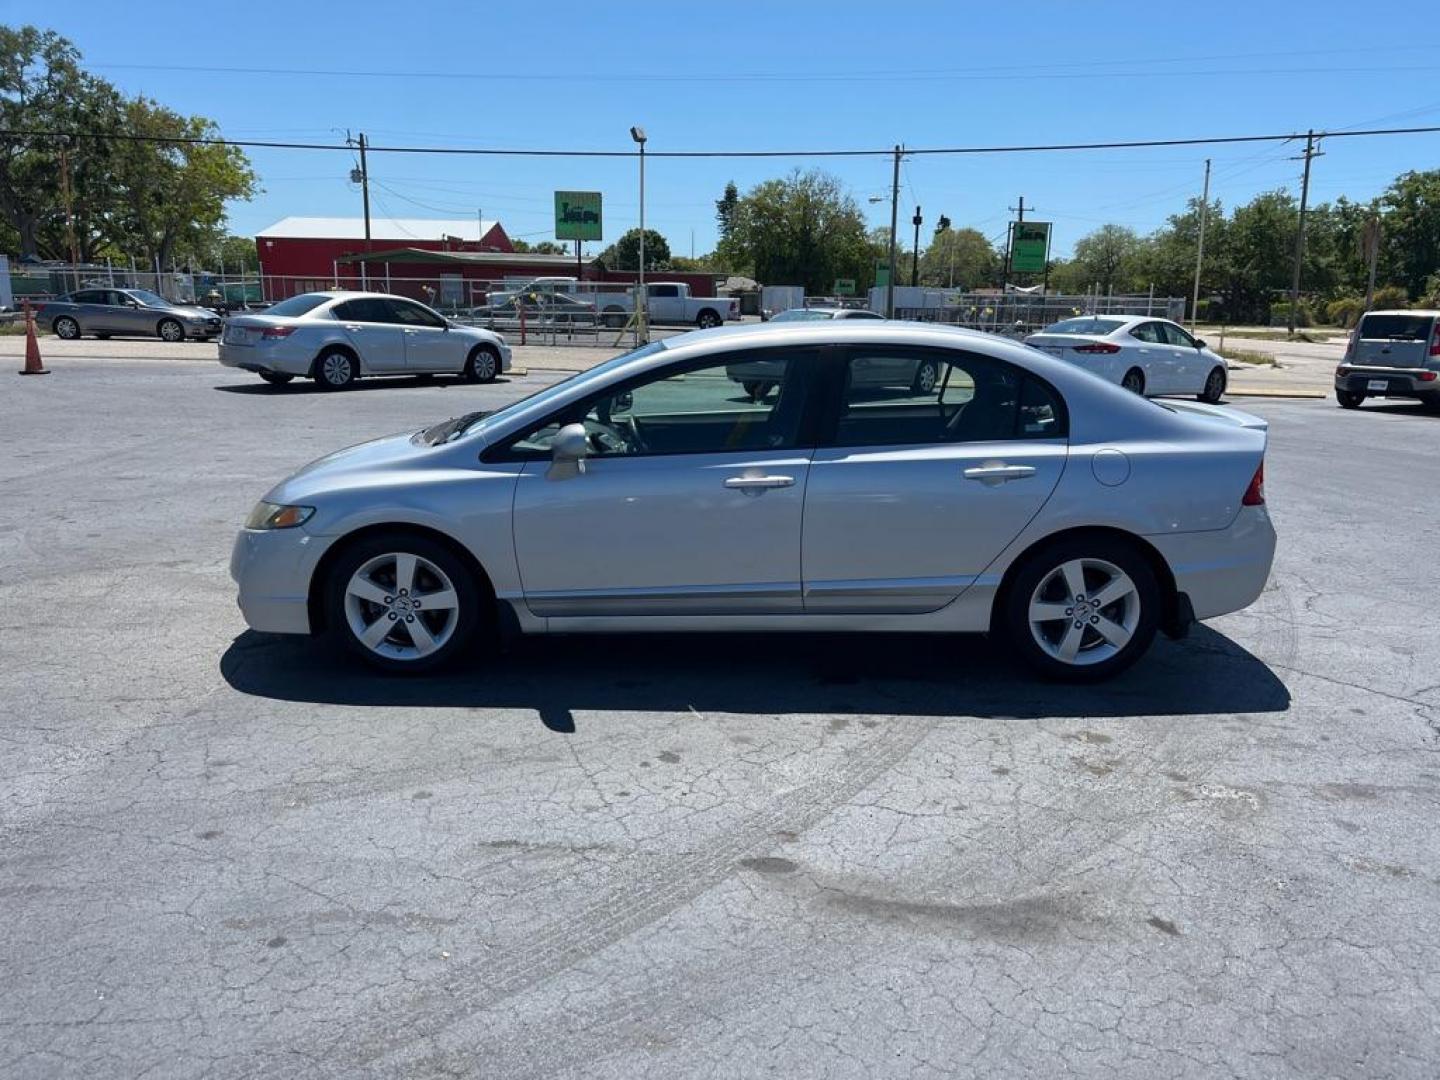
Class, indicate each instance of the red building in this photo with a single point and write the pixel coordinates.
(308, 254)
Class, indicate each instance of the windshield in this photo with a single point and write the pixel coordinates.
(478, 420)
(802, 315)
(1086, 324)
(1395, 327)
(148, 298)
(297, 305)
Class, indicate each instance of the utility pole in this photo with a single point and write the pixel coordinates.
(1010, 239)
(69, 214)
(1310, 153)
(1371, 242)
(364, 180)
(1200, 247)
(894, 222)
(915, 253)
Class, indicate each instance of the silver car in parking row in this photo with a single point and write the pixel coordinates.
(336, 338)
(107, 312)
(1147, 355)
(1019, 495)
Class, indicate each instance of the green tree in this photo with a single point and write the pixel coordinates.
(238, 254)
(960, 257)
(1411, 229)
(1258, 255)
(624, 254)
(802, 230)
(1110, 257)
(725, 209)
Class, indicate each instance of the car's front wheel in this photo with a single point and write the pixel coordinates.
(1214, 386)
(482, 365)
(402, 602)
(1349, 400)
(1082, 609)
(170, 330)
(66, 328)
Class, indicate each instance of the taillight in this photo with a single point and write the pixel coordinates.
(1255, 493)
(1435, 340)
(277, 331)
(1350, 345)
(1101, 347)
(1426, 376)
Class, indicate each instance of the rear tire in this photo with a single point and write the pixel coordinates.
(482, 365)
(1349, 400)
(102, 337)
(1112, 626)
(276, 378)
(614, 317)
(926, 376)
(1214, 387)
(707, 320)
(66, 328)
(170, 330)
(367, 613)
(335, 369)
(1134, 381)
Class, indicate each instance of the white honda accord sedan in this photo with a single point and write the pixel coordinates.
(336, 338)
(1149, 356)
(1019, 495)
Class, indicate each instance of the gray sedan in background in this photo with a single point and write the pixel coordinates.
(336, 338)
(107, 312)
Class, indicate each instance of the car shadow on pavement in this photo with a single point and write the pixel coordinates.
(400, 382)
(885, 674)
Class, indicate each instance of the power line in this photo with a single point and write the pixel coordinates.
(1129, 144)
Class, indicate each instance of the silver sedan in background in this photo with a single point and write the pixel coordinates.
(1019, 495)
(336, 338)
(107, 312)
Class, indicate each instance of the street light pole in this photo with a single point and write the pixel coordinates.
(1200, 247)
(894, 222)
(642, 326)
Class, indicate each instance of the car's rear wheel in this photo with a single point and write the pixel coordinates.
(336, 369)
(1082, 609)
(66, 328)
(1214, 386)
(1349, 400)
(926, 376)
(102, 337)
(170, 330)
(1134, 381)
(482, 365)
(614, 316)
(276, 378)
(402, 602)
(707, 320)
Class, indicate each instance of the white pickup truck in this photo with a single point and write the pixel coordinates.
(669, 303)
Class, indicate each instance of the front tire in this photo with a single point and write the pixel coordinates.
(482, 365)
(1348, 399)
(402, 603)
(276, 378)
(1214, 387)
(1134, 381)
(66, 328)
(336, 369)
(1082, 610)
(170, 330)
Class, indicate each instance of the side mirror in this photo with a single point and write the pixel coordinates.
(568, 452)
(1201, 343)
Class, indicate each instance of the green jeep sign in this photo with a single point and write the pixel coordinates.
(577, 215)
(844, 286)
(1029, 247)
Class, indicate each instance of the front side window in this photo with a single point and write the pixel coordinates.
(149, 299)
(747, 403)
(1174, 335)
(898, 396)
(411, 314)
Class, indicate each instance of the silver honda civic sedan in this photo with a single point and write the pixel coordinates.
(1019, 495)
(336, 338)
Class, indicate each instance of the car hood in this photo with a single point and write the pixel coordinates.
(361, 465)
(188, 311)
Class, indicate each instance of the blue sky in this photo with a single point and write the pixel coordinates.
(778, 77)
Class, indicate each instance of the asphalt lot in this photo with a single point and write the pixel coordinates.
(225, 854)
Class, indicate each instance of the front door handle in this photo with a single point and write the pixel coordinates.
(759, 483)
(993, 473)
(354, 329)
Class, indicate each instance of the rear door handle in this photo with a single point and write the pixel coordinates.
(999, 473)
(354, 329)
(759, 483)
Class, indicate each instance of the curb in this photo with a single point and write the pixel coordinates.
(1239, 392)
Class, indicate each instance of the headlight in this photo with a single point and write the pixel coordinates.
(268, 515)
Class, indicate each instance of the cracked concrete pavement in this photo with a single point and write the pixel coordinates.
(224, 854)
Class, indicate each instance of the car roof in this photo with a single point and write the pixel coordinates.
(1427, 313)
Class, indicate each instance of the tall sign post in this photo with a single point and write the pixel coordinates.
(578, 217)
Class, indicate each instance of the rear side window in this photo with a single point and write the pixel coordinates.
(297, 305)
(1395, 327)
(89, 296)
(362, 309)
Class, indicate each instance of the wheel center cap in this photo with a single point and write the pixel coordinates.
(403, 603)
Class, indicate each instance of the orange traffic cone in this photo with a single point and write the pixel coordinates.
(33, 366)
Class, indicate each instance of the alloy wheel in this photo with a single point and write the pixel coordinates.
(401, 606)
(336, 369)
(926, 378)
(172, 331)
(1084, 611)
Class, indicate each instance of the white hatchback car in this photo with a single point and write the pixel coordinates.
(1018, 494)
(336, 338)
(1146, 355)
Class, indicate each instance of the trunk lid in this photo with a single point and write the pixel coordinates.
(1400, 339)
